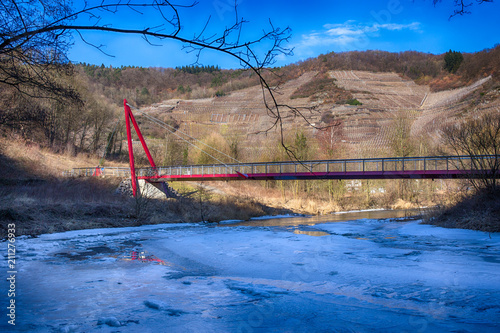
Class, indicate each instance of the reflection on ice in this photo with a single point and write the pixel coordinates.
(145, 258)
(287, 220)
(310, 233)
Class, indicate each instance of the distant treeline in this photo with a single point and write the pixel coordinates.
(198, 69)
(144, 86)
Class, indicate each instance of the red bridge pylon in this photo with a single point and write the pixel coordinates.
(130, 117)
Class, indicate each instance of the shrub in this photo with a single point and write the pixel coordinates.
(353, 101)
(220, 93)
(319, 84)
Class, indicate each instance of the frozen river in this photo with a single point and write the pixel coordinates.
(367, 275)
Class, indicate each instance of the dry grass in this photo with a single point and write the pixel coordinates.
(38, 200)
(212, 203)
(62, 205)
(311, 203)
(59, 205)
(22, 160)
(403, 204)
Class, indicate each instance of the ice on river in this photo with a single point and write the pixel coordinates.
(357, 276)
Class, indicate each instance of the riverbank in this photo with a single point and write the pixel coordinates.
(35, 197)
(39, 201)
(49, 204)
(43, 206)
(56, 205)
(479, 211)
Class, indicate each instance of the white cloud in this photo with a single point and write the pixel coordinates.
(351, 33)
(315, 39)
(415, 26)
(343, 31)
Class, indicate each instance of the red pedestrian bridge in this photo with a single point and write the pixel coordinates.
(427, 167)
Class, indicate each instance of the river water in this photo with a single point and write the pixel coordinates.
(369, 271)
(305, 224)
(330, 218)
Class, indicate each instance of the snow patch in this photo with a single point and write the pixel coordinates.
(161, 306)
(110, 321)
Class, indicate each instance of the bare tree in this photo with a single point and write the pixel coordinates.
(400, 140)
(476, 138)
(31, 58)
(35, 36)
(402, 145)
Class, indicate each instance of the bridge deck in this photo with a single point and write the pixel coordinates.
(409, 174)
(433, 167)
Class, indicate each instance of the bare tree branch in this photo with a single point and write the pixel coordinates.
(34, 42)
(462, 5)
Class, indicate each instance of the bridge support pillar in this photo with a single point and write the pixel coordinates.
(129, 117)
(133, 176)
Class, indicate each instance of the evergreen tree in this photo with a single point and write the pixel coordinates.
(452, 61)
(301, 146)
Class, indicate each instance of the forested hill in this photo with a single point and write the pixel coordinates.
(85, 125)
(145, 86)
(441, 72)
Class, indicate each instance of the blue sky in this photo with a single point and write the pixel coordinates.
(318, 27)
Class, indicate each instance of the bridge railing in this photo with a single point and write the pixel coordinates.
(393, 164)
(427, 163)
(98, 171)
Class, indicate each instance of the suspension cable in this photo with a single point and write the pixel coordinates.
(101, 161)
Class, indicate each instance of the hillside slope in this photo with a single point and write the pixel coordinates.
(364, 130)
